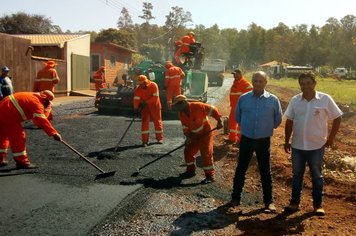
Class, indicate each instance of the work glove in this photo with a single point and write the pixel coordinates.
(142, 105)
(137, 112)
(188, 138)
(57, 137)
(219, 124)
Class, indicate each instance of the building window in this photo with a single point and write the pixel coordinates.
(112, 61)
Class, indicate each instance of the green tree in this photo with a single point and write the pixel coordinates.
(23, 23)
(119, 37)
(175, 23)
(125, 21)
(147, 12)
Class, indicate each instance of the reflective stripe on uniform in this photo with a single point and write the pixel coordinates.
(234, 131)
(16, 154)
(200, 127)
(155, 94)
(145, 132)
(18, 107)
(3, 150)
(190, 163)
(237, 93)
(39, 115)
(212, 108)
(208, 168)
(158, 131)
(45, 79)
(172, 76)
(137, 98)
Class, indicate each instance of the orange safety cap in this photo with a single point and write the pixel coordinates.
(142, 79)
(50, 63)
(169, 64)
(179, 98)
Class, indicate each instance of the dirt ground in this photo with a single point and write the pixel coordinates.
(172, 206)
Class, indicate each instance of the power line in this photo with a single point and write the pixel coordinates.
(118, 5)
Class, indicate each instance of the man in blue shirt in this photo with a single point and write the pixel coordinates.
(258, 112)
(6, 88)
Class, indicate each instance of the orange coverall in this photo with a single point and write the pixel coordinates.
(46, 79)
(15, 109)
(152, 110)
(183, 45)
(99, 78)
(197, 126)
(173, 81)
(237, 89)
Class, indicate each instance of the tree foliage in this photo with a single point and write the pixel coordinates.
(23, 23)
(120, 37)
(147, 12)
(125, 20)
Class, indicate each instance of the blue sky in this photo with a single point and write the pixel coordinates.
(95, 15)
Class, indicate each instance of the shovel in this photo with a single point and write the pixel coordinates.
(122, 137)
(99, 176)
(166, 154)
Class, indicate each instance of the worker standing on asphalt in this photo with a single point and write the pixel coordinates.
(197, 130)
(147, 102)
(173, 81)
(183, 46)
(6, 88)
(239, 87)
(100, 82)
(46, 78)
(15, 109)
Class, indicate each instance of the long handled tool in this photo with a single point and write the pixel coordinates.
(99, 176)
(166, 154)
(122, 137)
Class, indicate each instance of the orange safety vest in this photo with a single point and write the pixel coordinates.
(24, 106)
(238, 88)
(184, 42)
(99, 79)
(150, 95)
(197, 122)
(173, 76)
(45, 80)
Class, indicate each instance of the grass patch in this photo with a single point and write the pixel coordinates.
(343, 92)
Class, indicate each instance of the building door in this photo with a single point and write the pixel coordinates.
(80, 72)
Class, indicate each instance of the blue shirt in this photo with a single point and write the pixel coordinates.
(258, 116)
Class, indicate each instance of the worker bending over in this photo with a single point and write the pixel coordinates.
(197, 130)
(15, 109)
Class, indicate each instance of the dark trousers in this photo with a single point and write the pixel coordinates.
(263, 151)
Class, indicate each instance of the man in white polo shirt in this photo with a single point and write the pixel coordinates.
(307, 118)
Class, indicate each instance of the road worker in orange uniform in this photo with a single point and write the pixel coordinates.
(197, 130)
(239, 87)
(46, 78)
(15, 109)
(147, 102)
(183, 46)
(100, 82)
(173, 81)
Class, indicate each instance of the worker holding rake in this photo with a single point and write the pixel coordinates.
(197, 130)
(15, 109)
